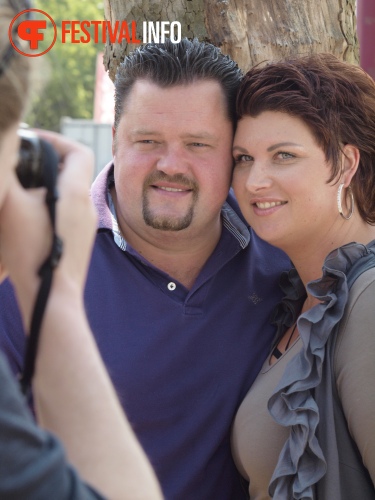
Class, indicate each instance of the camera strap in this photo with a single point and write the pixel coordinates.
(46, 270)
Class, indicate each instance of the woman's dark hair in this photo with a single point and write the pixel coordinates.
(336, 100)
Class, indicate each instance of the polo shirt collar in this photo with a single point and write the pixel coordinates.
(102, 199)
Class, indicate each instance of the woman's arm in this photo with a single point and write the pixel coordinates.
(355, 367)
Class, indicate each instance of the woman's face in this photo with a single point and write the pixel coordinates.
(9, 145)
(280, 181)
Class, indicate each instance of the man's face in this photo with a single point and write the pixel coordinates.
(172, 156)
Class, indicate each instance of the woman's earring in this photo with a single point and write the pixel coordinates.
(339, 206)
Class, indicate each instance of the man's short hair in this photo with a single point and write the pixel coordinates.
(169, 64)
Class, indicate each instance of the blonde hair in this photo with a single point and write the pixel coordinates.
(14, 75)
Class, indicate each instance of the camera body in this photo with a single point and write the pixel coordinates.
(38, 161)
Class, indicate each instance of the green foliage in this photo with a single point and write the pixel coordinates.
(64, 78)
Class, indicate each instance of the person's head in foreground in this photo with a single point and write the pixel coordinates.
(13, 95)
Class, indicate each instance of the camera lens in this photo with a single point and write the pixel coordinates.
(29, 165)
(36, 160)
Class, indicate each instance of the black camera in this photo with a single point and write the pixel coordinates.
(38, 161)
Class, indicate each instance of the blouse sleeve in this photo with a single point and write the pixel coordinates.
(355, 367)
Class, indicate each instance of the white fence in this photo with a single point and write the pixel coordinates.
(98, 136)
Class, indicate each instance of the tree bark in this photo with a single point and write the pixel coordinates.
(250, 31)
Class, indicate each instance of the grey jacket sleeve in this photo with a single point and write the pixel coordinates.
(32, 461)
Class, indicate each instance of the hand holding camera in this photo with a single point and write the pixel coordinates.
(24, 219)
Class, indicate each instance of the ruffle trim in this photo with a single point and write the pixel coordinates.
(301, 462)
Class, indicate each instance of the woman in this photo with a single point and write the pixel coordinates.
(304, 177)
(73, 394)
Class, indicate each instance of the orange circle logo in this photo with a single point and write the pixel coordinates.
(31, 31)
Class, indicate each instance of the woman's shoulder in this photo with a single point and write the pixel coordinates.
(354, 366)
(361, 293)
(356, 330)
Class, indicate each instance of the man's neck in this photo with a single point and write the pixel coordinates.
(180, 254)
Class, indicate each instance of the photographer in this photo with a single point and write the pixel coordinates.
(73, 395)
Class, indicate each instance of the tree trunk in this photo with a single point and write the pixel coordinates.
(250, 31)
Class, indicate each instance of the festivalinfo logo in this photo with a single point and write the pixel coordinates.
(34, 31)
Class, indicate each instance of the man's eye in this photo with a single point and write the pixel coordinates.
(198, 144)
(243, 158)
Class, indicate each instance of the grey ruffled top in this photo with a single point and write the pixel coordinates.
(301, 462)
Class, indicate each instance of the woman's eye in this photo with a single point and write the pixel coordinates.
(240, 158)
(285, 156)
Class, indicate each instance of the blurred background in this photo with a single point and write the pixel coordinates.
(73, 94)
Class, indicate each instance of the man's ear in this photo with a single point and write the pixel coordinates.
(113, 140)
(350, 162)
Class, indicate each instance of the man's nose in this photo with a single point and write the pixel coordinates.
(173, 161)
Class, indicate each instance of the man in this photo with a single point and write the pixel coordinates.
(179, 290)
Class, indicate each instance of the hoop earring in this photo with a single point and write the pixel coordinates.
(339, 206)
